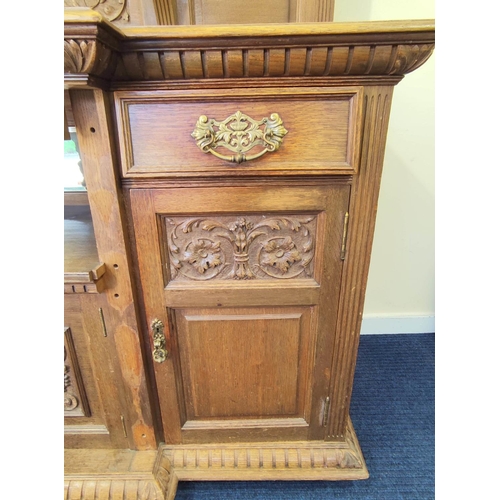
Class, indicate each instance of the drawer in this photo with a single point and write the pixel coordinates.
(293, 131)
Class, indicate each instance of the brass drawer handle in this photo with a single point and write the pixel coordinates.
(159, 352)
(239, 133)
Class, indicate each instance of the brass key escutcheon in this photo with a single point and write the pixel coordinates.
(159, 351)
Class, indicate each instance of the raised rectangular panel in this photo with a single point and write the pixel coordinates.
(257, 11)
(245, 364)
(258, 247)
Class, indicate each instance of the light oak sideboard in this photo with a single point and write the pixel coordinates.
(232, 173)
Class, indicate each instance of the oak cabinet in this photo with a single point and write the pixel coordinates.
(233, 176)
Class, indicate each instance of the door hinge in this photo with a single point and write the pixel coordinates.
(326, 411)
(344, 236)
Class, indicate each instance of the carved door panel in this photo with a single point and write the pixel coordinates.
(92, 387)
(244, 284)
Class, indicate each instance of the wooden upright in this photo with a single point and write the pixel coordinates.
(232, 175)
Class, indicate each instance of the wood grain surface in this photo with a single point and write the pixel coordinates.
(95, 137)
(322, 134)
(255, 271)
(98, 53)
(183, 376)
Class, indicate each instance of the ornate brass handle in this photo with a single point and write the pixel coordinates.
(239, 133)
(159, 352)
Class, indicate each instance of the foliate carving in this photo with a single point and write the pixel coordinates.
(410, 57)
(203, 254)
(79, 55)
(379, 56)
(247, 247)
(350, 456)
(112, 10)
(75, 401)
(239, 134)
(279, 254)
(162, 472)
(88, 56)
(70, 400)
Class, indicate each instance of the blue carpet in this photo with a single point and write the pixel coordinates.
(392, 411)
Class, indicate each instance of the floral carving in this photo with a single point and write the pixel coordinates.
(230, 252)
(280, 255)
(203, 254)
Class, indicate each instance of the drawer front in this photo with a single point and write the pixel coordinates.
(239, 132)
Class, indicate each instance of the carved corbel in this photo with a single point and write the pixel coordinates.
(90, 48)
(79, 55)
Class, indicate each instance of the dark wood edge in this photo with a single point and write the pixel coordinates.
(76, 198)
(91, 281)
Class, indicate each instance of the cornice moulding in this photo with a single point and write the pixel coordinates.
(97, 51)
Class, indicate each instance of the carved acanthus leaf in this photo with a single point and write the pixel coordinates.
(248, 247)
(79, 55)
(163, 471)
(410, 57)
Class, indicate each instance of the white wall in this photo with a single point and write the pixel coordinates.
(400, 293)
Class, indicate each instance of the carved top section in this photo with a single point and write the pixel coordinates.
(98, 53)
(111, 10)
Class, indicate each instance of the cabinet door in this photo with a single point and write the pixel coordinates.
(92, 386)
(244, 283)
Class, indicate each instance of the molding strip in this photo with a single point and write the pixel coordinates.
(96, 53)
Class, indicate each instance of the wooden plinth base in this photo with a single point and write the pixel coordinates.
(120, 474)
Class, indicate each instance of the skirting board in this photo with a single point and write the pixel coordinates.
(397, 324)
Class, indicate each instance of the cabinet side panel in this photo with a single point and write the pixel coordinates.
(95, 136)
(362, 210)
(259, 352)
(92, 417)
